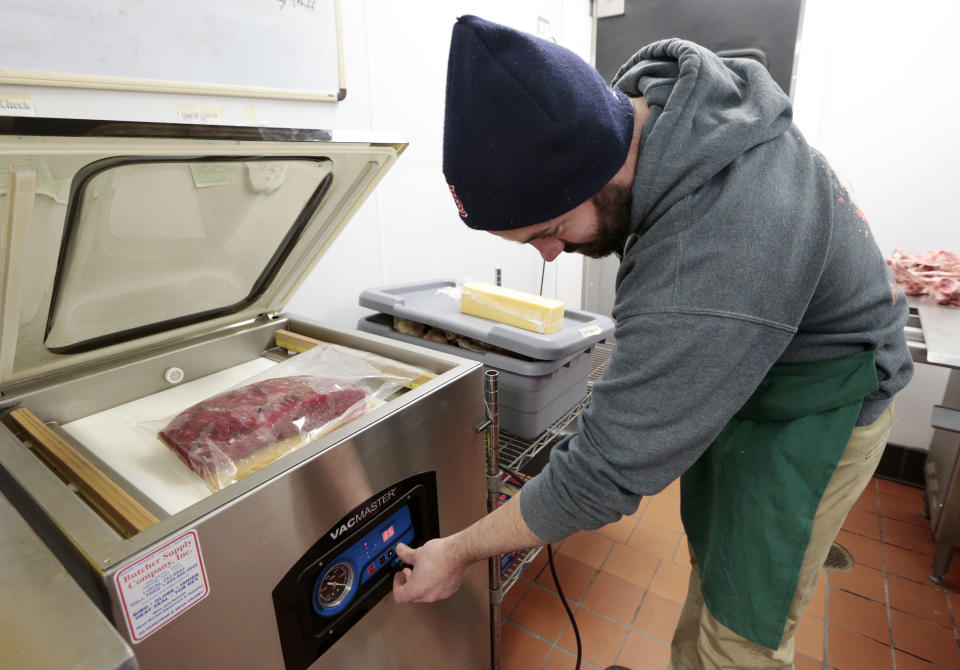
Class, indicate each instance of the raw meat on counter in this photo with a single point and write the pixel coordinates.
(935, 273)
(230, 435)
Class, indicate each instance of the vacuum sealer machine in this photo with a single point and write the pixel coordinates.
(144, 269)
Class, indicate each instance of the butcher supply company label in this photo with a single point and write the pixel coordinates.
(162, 585)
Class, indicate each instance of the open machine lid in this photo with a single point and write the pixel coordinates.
(120, 236)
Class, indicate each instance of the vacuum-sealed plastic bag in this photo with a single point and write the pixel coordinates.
(235, 433)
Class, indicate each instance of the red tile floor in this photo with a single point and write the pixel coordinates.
(626, 583)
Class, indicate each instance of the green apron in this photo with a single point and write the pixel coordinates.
(748, 503)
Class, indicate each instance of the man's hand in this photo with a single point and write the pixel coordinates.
(440, 565)
(437, 572)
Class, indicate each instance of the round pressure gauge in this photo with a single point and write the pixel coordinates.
(335, 585)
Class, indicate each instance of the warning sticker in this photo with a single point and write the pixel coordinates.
(162, 585)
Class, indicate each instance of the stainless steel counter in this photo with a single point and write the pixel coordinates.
(46, 621)
(933, 334)
(940, 327)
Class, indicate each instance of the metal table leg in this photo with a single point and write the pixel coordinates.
(941, 561)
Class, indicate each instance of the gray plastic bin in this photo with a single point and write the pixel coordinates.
(533, 393)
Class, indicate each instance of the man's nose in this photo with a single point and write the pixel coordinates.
(549, 247)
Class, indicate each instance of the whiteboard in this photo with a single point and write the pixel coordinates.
(259, 48)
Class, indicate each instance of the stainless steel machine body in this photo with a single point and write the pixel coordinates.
(64, 359)
(932, 335)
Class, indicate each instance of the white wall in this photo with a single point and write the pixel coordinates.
(395, 56)
(418, 234)
(877, 93)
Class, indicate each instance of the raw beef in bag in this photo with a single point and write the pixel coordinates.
(233, 434)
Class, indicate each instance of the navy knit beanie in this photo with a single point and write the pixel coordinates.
(530, 131)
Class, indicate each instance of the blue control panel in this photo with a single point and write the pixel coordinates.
(350, 568)
(338, 583)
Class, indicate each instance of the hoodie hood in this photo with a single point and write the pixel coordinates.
(705, 112)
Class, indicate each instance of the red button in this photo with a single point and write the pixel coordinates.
(371, 568)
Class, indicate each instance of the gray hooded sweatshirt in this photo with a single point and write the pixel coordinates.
(746, 252)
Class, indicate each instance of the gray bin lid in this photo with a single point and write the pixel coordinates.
(430, 302)
(382, 324)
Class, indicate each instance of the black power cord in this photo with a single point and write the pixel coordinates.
(573, 622)
(553, 568)
(556, 582)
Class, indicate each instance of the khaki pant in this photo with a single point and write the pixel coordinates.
(700, 642)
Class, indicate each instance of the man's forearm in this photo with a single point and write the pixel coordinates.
(500, 532)
(436, 570)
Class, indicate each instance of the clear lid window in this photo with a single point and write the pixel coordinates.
(152, 244)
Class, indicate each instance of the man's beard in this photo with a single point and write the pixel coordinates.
(613, 216)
